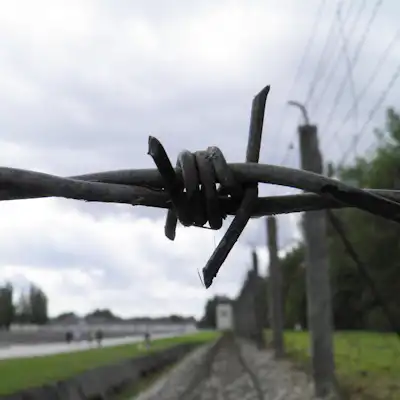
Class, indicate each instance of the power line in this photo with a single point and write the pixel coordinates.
(334, 65)
(371, 114)
(368, 84)
(352, 65)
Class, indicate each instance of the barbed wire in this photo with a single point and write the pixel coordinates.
(334, 64)
(318, 70)
(337, 224)
(367, 85)
(371, 114)
(203, 188)
(350, 65)
(306, 50)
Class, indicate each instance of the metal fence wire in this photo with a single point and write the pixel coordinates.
(203, 189)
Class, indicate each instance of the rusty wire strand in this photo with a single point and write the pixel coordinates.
(144, 187)
(204, 188)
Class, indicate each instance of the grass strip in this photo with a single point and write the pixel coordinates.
(22, 373)
(367, 363)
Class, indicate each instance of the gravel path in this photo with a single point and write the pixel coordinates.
(232, 371)
(174, 384)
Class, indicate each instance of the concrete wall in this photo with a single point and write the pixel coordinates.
(129, 328)
(32, 334)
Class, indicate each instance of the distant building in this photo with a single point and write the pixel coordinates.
(224, 314)
(109, 323)
(66, 320)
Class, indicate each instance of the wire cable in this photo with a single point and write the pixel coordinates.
(371, 114)
(351, 65)
(204, 188)
(318, 70)
(306, 51)
(368, 84)
(363, 270)
(334, 65)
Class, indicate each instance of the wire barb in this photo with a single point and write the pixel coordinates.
(243, 214)
(203, 188)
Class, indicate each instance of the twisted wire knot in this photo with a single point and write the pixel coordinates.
(206, 180)
(195, 198)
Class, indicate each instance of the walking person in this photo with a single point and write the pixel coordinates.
(99, 337)
(147, 340)
(69, 336)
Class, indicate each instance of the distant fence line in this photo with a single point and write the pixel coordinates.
(124, 327)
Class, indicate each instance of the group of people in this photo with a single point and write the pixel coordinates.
(98, 336)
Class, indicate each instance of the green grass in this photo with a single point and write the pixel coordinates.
(367, 364)
(21, 373)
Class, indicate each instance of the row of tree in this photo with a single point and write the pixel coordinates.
(208, 321)
(376, 240)
(109, 316)
(31, 307)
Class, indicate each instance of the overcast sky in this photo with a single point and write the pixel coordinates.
(83, 84)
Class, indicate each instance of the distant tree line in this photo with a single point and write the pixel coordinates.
(208, 321)
(31, 307)
(109, 316)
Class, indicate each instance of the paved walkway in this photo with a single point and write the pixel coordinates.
(231, 372)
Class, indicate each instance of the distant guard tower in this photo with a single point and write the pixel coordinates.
(224, 314)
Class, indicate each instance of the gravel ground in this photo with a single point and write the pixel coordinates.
(233, 372)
